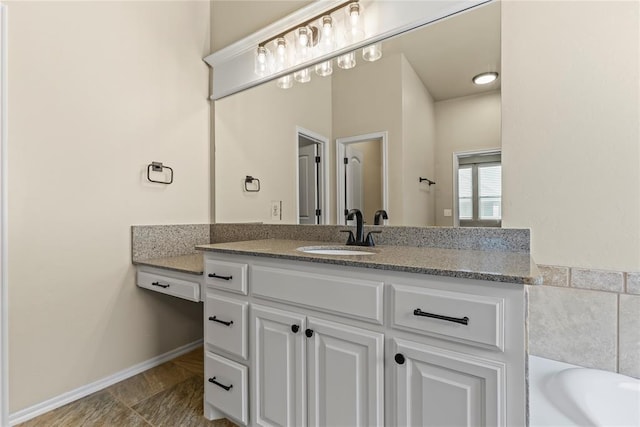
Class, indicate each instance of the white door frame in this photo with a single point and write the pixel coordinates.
(323, 141)
(456, 164)
(341, 144)
(4, 227)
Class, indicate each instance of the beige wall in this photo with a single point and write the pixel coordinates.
(570, 109)
(232, 20)
(256, 135)
(97, 90)
(419, 146)
(463, 124)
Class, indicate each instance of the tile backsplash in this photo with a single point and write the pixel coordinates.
(587, 317)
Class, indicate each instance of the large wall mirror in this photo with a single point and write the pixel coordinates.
(409, 133)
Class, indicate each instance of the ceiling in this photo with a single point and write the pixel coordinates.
(447, 54)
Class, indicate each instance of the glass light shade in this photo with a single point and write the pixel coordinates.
(324, 69)
(261, 61)
(327, 34)
(347, 61)
(354, 24)
(372, 53)
(281, 54)
(485, 78)
(285, 82)
(303, 36)
(302, 76)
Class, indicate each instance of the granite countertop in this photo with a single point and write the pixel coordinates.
(191, 264)
(497, 266)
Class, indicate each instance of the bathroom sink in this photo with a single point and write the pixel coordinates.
(335, 250)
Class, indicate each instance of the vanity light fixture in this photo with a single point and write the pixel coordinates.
(321, 35)
(485, 78)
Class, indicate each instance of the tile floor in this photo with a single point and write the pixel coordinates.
(167, 395)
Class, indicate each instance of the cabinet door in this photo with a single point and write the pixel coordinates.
(279, 367)
(345, 374)
(438, 387)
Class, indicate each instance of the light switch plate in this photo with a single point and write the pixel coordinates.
(276, 209)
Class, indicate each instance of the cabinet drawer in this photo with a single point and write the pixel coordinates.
(226, 324)
(226, 386)
(444, 314)
(229, 276)
(169, 285)
(357, 298)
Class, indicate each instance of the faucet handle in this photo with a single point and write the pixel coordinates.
(351, 240)
(369, 240)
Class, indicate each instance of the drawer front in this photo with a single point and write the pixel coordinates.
(230, 276)
(169, 285)
(226, 386)
(360, 299)
(444, 314)
(226, 324)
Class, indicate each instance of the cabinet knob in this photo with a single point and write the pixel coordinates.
(399, 359)
(308, 333)
(295, 328)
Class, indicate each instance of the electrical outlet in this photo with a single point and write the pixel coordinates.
(276, 209)
(447, 212)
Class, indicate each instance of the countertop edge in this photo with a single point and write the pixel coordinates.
(164, 264)
(463, 274)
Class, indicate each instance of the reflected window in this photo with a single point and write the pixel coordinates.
(480, 191)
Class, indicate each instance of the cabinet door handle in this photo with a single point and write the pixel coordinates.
(226, 387)
(399, 357)
(462, 320)
(215, 276)
(308, 333)
(159, 284)
(295, 328)
(215, 319)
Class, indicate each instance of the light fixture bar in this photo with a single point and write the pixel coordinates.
(308, 21)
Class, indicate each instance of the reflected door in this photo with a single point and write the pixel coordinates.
(308, 184)
(354, 192)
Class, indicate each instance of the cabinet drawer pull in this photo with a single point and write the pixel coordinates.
(226, 387)
(159, 284)
(215, 276)
(295, 328)
(309, 333)
(462, 320)
(215, 319)
(399, 358)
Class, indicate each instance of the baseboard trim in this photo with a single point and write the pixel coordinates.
(80, 392)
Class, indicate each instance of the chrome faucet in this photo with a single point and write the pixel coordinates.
(358, 239)
(381, 214)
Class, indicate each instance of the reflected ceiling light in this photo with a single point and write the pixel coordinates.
(372, 53)
(324, 69)
(302, 76)
(285, 82)
(334, 29)
(347, 61)
(485, 78)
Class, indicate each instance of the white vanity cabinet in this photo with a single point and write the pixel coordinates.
(181, 285)
(438, 387)
(310, 371)
(330, 345)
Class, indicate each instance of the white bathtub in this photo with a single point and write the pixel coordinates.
(567, 395)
